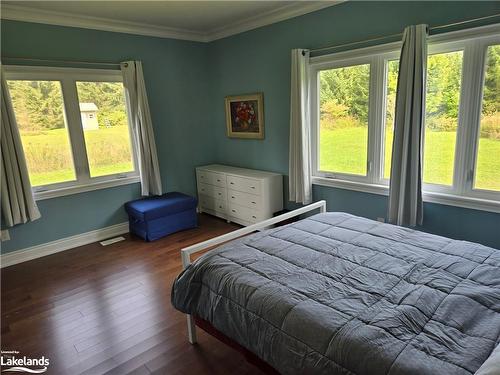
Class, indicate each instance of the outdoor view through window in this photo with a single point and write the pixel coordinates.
(39, 111)
(45, 133)
(344, 104)
(107, 137)
(343, 134)
(488, 154)
(444, 75)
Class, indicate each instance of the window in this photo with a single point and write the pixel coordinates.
(487, 176)
(391, 72)
(353, 105)
(343, 120)
(39, 111)
(444, 74)
(74, 128)
(107, 140)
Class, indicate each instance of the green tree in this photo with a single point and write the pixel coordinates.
(38, 104)
(491, 94)
(109, 99)
(392, 83)
(347, 87)
(444, 75)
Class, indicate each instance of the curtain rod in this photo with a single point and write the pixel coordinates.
(61, 61)
(400, 34)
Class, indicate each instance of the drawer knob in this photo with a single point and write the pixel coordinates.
(218, 180)
(220, 206)
(255, 217)
(253, 187)
(233, 210)
(232, 183)
(254, 203)
(232, 196)
(220, 193)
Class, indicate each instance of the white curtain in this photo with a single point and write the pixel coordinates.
(18, 204)
(405, 193)
(300, 188)
(142, 127)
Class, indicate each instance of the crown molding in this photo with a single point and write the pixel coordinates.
(276, 15)
(29, 14)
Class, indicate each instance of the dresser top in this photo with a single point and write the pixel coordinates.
(219, 168)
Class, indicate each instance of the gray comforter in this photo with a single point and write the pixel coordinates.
(339, 294)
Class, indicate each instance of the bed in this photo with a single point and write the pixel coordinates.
(340, 294)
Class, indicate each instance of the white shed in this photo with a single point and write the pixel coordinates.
(88, 112)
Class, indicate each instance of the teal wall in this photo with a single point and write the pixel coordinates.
(176, 78)
(259, 61)
(187, 83)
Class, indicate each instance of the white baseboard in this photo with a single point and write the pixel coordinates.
(38, 251)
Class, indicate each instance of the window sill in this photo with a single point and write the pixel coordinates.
(351, 185)
(70, 190)
(432, 197)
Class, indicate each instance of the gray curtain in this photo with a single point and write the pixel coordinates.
(299, 184)
(405, 192)
(142, 127)
(18, 204)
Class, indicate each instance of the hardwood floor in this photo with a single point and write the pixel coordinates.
(106, 310)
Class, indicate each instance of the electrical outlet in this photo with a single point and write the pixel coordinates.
(5, 236)
(381, 219)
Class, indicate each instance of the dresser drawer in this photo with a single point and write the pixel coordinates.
(212, 178)
(212, 204)
(244, 199)
(212, 191)
(244, 213)
(246, 185)
(239, 195)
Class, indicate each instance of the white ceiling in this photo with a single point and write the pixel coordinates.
(194, 20)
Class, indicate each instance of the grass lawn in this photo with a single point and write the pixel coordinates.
(44, 178)
(345, 150)
(48, 154)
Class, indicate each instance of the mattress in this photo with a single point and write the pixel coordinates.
(339, 294)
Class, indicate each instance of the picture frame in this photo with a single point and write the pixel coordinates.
(245, 116)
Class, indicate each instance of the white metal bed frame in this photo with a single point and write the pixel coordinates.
(187, 251)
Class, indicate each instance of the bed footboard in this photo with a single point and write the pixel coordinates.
(187, 251)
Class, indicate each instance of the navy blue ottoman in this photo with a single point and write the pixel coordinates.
(155, 217)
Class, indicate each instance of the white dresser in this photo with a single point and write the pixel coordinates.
(243, 196)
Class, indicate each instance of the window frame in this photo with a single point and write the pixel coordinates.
(68, 77)
(315, 138)
(474, 44)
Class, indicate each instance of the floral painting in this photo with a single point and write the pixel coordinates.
(244, 116)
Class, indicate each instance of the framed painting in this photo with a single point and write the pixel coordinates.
(245, 116)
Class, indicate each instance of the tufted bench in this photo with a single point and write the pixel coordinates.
(155, 217)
